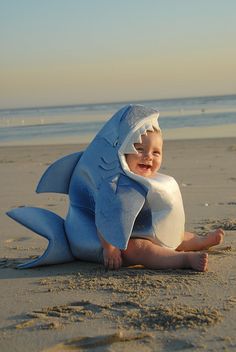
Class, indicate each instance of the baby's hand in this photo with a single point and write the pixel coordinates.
(112, 257)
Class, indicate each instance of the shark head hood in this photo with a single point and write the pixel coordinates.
(121, 132)
(127, 126)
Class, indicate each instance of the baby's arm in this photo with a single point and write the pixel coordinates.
(111, 255)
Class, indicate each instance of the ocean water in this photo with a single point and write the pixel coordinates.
(80, 123)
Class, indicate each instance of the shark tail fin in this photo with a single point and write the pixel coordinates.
(48, 225)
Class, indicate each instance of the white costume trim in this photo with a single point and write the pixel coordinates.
(163, 198)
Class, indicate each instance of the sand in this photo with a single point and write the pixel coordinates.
(78, 306)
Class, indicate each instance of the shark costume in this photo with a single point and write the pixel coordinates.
(106, 196)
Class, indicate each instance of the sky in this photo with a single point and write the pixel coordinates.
(62, 52)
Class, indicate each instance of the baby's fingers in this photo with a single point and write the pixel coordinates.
(106, 263)
(112, 264)
(117, 263)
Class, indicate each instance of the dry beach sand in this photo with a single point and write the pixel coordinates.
(78, 306)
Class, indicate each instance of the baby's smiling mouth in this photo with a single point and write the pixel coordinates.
(144, 166)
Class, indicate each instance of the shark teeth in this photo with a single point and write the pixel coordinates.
(143, 130)
(137, 135)
(150, 124)
(130, 149)
(136, 138)
(149, 127)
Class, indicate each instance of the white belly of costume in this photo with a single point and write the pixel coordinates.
(167, 210)
(165, 202)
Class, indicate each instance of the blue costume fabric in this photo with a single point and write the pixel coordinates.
(105, 196)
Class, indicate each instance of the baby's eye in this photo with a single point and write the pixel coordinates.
(139, 149)
(156, 153)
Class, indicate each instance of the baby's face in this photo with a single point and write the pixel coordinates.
(148, 160)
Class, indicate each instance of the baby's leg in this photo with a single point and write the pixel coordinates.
(194, 242)
(152, 256)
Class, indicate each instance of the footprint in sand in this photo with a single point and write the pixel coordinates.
(209, 224)
(129, 314)
(57, 316)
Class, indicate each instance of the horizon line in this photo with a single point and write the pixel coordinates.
(115, 102)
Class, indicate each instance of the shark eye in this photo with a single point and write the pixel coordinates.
(115, 143)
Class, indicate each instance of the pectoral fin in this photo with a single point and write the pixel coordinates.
(57, 177)
(117, 206)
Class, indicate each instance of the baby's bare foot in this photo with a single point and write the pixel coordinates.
(214, 238)
(198, 261)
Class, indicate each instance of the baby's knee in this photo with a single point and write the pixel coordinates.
(136, 247)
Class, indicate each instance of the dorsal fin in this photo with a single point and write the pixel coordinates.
(57, 177)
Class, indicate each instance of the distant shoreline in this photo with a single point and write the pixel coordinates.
(186, 133)
(122, 102)
(180, 118)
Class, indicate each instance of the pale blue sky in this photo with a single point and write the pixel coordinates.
(71, 52)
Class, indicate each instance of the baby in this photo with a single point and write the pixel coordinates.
(122, 210)
(143, 251)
